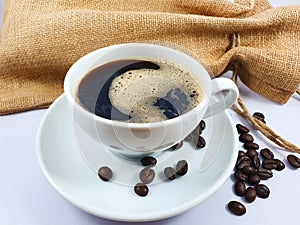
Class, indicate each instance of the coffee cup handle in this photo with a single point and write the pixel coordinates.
(221, 101)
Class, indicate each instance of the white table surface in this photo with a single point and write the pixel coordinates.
(27, 198)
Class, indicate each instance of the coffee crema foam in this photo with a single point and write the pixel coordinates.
(135, 92)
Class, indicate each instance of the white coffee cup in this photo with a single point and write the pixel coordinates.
(139, 139)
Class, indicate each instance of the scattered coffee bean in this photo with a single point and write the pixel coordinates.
(236, 208)
(253, 179)
(189, 137)
(240, 175)
(239, 188)
(251, 153)
(246, 138)
(259, 116)
(242, 129)
(256, 162)
(194, 135)
(177, 146)
(201, 142)
(202, 125)
(249, 170)
(141, 189)
(105, 173)
(250, 194)
(269, 164)
(279, 165)
(148, 161)
(262, 191)
(181, 167)
(294, 161)
(170, 173)
(251, 145)
(267, 153)
(242, 162)
(147, 175)
(264, 174)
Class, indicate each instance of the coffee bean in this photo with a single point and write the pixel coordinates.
(239, 188)
(259, 116)
(242, 129)
(263, 121)
(251, 145)
(251, 153)
(148, 161)
(201, 142)
(246, 138)
(249, 170)
(170, 173)
(264, 174)
(250, 194)
(240, 175)
(267, 153)
(141, 189)
(236, 208)
(253, 179)
(279, 165)
(202, 125)
(294, 161)
(269, 164)
(181, 167)
(241, 153)
(256, 162)
(242, 162)
(147, 175)
(105, 173)
(197, 131)
(189, 137)
(262, 191)
(194, 135)
(177, 146)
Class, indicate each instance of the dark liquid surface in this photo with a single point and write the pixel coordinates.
(93, 91)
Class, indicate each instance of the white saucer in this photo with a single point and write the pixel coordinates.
(72, 173)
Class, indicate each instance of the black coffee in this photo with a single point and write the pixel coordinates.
(139, 90)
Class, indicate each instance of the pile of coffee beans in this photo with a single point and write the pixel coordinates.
(252, 167)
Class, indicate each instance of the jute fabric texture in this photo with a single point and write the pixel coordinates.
(40, 40)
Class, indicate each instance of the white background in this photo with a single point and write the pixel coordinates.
(27, 198)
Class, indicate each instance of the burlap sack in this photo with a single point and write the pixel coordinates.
(41, 39)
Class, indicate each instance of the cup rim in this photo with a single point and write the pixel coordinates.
(125, 124)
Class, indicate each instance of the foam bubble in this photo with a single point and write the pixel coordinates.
(134, 92)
